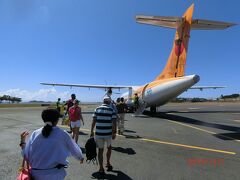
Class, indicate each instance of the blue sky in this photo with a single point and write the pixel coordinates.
(99, 42)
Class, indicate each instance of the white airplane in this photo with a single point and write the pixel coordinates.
(172, 81)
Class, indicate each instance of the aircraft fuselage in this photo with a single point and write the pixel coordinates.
(159, 92)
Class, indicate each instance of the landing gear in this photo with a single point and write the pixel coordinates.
(153, 110)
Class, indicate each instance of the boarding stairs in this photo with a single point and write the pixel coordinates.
(141, 108)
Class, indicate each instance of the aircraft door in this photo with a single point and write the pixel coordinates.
(130, 91)
(143, 92)
(128, 96)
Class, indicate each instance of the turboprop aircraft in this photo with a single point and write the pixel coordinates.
(171, 82)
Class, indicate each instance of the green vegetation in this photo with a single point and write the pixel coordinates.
(10, 99)
(19, 105)
(190, 100)
(222, 98)
(230, 96)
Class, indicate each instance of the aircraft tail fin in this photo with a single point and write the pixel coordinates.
(175, 66)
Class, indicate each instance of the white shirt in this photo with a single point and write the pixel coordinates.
(46, 153)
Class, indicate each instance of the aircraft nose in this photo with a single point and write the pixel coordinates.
(196, 78)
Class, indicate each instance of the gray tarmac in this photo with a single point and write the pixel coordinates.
(183, 141)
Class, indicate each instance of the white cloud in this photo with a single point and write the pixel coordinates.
(50, 94)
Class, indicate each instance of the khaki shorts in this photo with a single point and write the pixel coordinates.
(101, 141)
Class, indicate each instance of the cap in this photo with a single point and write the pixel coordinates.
(107, 98)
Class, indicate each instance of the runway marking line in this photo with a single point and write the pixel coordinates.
(204, 130)
(236, 120)
(170, 143)
(188, 146)
(65, 126)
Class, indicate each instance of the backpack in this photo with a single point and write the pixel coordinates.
(91, 150)
(120, 107)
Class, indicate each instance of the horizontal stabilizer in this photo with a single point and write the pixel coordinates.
(175, 22)
(202, 24)
(206, 87)
(164, 21)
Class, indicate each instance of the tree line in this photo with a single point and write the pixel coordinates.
(10, 99)
(230, 96)
(196, 99)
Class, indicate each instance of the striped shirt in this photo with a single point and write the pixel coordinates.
(104, 116)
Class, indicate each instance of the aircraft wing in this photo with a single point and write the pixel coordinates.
(206, 87)
(88, 86)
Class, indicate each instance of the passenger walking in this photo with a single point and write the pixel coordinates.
(104, 118)
(69, 104)
(75, 116)
(121, 114)
(136, 102)
(118, 118)
(48, 148)
(113, 105)
(58, 104)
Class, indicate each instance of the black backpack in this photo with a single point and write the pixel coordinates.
(91, 150)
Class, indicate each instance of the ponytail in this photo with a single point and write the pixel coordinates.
(49, 116)
(47, 129)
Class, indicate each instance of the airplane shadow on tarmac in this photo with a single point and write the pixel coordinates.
(187, 120)
(119, 176)
(224, 136)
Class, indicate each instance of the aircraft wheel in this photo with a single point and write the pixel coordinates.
(153, 110)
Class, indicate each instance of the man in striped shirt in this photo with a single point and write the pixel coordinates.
(104, 118)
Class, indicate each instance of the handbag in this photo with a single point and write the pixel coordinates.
(24, 172)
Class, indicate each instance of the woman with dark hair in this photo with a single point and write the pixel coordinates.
(48, 148)
(75, 115)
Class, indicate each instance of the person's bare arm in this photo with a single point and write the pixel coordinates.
(93, 125)
(23, 139)
(114, 129)
(75, 150)
(81, 116)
